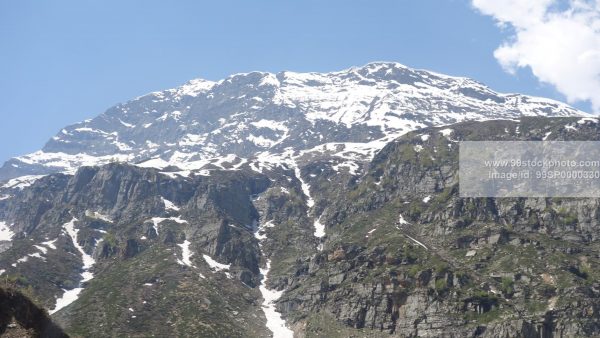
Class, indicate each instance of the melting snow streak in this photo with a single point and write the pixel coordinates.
(310, 202)
(69, 296)
(274, 321)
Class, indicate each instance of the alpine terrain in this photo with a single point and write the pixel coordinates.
(299, 204)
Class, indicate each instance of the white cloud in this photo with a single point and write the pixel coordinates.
(559, 40)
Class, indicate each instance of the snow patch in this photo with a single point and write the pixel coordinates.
(587, 119)
(128, 125)
(261, 141)
(169, 205)
(446, 132)
(402, 221)
(215, 265)
(68, 163)
(370, 232)
(68, 297)
(570, 127)
(50, 244)
(193, 139)
(6, 233)
(186, 254)
(193, 88)
(417, 242)
(269, 80)
(352, 167)
(37, 255)
(275, 323)
(97, 215)
(157, 220)
(177, 174)
(42, 249)
(319, 228)
(270, 124)
(22, 182)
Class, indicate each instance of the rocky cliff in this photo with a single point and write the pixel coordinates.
(407, 257)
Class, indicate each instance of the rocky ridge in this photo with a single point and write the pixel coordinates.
(256, 118)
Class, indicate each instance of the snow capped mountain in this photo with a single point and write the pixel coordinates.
(350, 229)
(262, 119)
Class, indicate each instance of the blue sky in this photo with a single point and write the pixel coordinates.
(65, 61)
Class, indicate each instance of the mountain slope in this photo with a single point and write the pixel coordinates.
(407, 257)
(271, 203)
(403, 255)
(153, 242)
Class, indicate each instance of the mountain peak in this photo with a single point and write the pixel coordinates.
(249, 114)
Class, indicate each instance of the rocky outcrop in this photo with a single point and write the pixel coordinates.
(20, 317)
